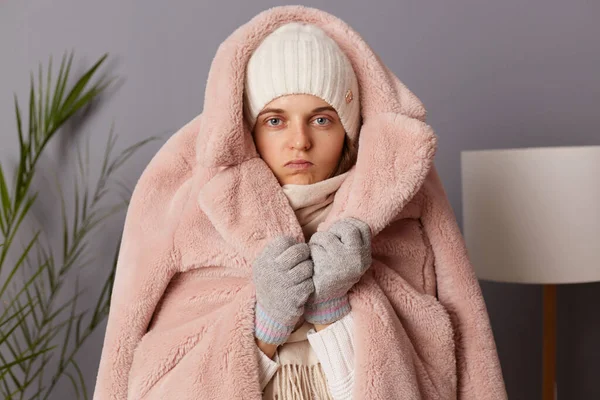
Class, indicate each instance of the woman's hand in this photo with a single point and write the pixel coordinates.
(340, 256)
(282, 275)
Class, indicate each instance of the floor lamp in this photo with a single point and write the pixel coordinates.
(532, 215)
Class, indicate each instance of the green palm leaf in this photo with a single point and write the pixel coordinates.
(40, 336)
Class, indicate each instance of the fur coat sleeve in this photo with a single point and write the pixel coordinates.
(181, 319)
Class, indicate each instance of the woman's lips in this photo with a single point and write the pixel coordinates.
(299, 165)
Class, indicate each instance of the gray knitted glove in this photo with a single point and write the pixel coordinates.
(341, 256)
(282, 275)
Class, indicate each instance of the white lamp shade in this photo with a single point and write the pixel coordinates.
(532, 215)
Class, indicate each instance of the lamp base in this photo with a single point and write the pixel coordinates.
(549, 390)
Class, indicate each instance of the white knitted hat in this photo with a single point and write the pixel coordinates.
(299, 58)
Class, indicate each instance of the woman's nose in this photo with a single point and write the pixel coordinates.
(300, 138)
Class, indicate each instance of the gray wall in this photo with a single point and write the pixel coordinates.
(496, 74)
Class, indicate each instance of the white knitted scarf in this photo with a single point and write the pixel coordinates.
(311, 203)
(300, 375)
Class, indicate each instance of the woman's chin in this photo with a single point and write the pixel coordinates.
(299, 179)
(297, 182)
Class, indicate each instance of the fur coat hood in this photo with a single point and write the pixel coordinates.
(181, 322)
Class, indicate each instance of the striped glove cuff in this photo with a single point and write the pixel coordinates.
(328, 311)
(269, 330)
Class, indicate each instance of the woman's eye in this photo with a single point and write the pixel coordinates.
(273, 119)
(321, 119)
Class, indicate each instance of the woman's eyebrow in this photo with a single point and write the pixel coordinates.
(281, 111)
(327, 108)
(268, 110)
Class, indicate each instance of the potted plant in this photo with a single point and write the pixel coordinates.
(39, 334)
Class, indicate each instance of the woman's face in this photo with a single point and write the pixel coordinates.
(299, 127)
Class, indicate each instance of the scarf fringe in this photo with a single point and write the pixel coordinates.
(301, 382)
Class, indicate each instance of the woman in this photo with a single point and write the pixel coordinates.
(370, 247)
(302, 106)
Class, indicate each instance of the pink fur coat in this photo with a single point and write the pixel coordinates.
(182, 312)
